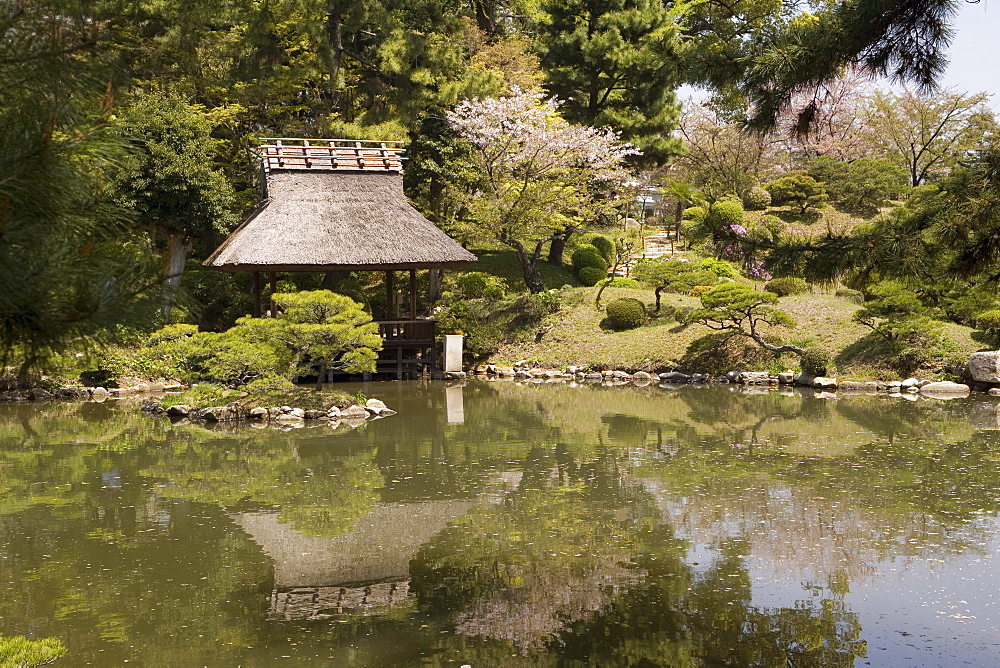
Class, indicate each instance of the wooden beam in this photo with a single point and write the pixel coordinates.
(258, 308)
(413, 294)
(273, 278)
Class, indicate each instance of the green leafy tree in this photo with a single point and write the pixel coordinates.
(799, 189)
(70, 266)
(170, 182)
(894, 311)
(928, 135)
(740, 310)
(615, 65)
(862, 186)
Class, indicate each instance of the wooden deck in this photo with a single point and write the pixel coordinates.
(408, 350)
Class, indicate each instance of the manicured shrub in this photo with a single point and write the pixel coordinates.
(814, 361)
(720, 268)
(625, 313)
(799, 189)
(540, 305)
(695, 213)
(673, 275)
(587, 255)
(756, 199)
(605, 247)
(592, 275)
(478, 284)
(853, 295)
(726, 213)
(699, 290)
(786, 285)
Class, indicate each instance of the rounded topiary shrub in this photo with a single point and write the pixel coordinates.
(625, 313)
(695, 213)
(592, 275)
(852, 295)
(587, 255)
(786, 285)
(756, 199)
(726, 213)
(814, 361)
(605, 247)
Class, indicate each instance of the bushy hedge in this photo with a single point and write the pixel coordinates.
(814, 361)
(622, 282)
(699, 290)
(853, 295)
(756, 199)
(786, 285)
(479, 284)
(587, 255)
(592, 275)
(625, 313)
(695, 213)
(605, 247)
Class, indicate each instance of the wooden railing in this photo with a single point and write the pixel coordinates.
(407, 332)
(330, 154)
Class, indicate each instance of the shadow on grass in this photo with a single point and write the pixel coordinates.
(791, 216)
(504, 263)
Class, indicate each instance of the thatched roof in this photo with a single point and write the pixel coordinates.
(320, 218)
(379, 548)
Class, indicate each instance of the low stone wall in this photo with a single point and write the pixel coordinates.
(354, 414)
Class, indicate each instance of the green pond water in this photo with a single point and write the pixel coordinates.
(497, 524)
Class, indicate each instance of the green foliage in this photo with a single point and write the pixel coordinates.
(862, 186)
(814, 361)
(673, 275)
(623, 282)
(786, 285)
(587, 255)
(988, 324)
(542, 304)
(613, 64)
(853, 295)
(725, 213)
(19, 652)
(625, 313)
(699, 290)
(739, 309)
(756, 198)
(604, 246)
(799, 189)
(592, 275)
(478, 284)
(721, 268)
(695, 213)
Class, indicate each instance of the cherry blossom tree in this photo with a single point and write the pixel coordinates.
(539, 176)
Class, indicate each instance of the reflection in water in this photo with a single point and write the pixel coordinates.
(495, 525)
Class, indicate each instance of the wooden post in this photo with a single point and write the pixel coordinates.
(273, 279)
(413, 294)
(390, 302)
(257, 300)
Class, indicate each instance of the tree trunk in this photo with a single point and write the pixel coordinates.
(177, 249)
(529, 269)
(322, 376)
(558, 245)
(434, 285)
(787, 348)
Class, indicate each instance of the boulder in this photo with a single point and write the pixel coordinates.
(852, 386)
(507, 371)
(333, 412)
(674, 377)
(258, 413)
(314, 414)
(946, 387)
(985, 367)
(593, 377)
(641, 375)
(824, 383)
(296, 412)
(697, 378)
(227, 413)
(180, 410)
(152, 407)
(755, 378)
(375, 406)
(994, 392)
(98, 394)
(803, 378)
(786, 377)
(354, 411)
(908, 383)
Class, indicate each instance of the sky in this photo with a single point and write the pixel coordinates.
(975, 50)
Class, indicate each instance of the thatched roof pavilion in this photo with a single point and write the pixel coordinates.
(336, 205)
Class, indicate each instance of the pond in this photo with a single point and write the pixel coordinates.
(495, 524)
